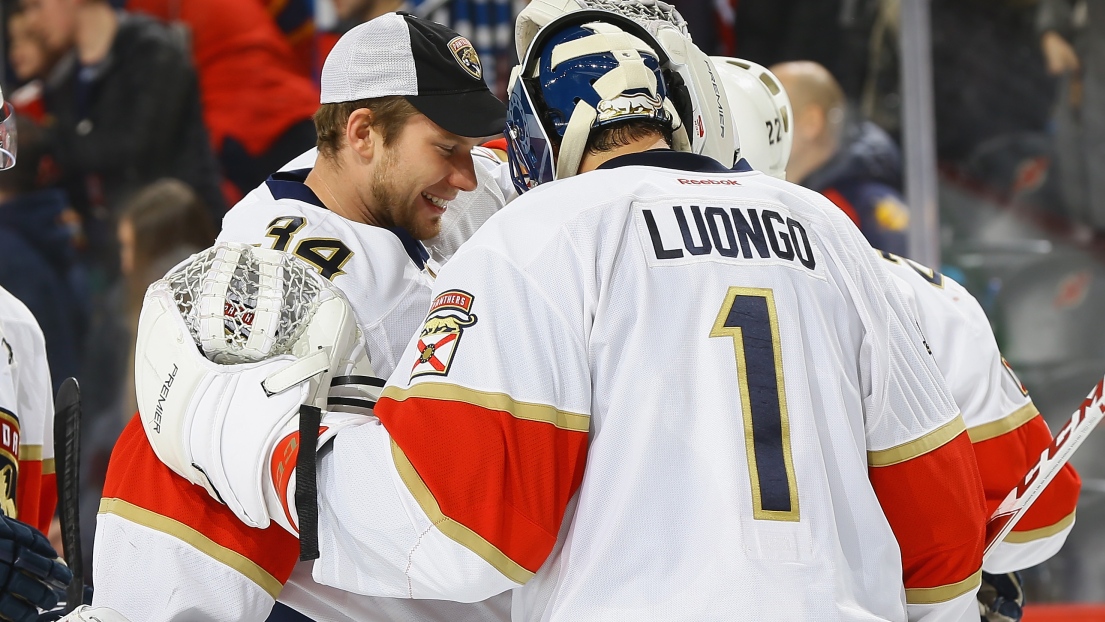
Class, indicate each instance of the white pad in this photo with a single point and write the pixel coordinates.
(217, 425)
(84, 613)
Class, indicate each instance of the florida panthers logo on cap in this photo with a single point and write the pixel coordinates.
(449, 315)
(466, 56)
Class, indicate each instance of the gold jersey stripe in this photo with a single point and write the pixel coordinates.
(30, 452)
(1022, 537)
(943, 593)
(48, 466)
(457, 532)
(493, 401)
(917, 447)
(190, 536)
(1006, 424)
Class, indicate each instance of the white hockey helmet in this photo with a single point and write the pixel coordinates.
(761, 112)
(7, 134)
(693, 85)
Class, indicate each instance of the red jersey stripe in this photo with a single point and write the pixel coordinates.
(504, 473)
(1003, 461)
(140, 488)
(35, 495)
(935, 505)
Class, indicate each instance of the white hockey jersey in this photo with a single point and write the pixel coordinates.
(28, 490)
(1007, 431)
(663, 391)
(155, 524)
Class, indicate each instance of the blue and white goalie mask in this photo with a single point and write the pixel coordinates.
(583, 72)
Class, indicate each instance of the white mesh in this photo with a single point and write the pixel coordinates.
(372, 60)
(652, 14)
(268, 300)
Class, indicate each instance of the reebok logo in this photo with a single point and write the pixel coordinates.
(158, 410)
(709, 182)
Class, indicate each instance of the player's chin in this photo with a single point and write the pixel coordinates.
(425, 227)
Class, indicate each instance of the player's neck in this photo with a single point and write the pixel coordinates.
(337, 194)
(809, 159)
(592, 161)
(96, 27)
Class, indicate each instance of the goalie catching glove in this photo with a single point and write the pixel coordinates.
(231, 343)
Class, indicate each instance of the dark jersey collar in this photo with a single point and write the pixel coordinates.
(289, 185)
(677, 160)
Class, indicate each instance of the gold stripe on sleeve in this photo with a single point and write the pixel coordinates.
(943, 593)
(190, 536)
(917, 447)
(30, 452)
(1006, 424)
(454, 530)
(493, 401)
(1023, 537)
(48, 466)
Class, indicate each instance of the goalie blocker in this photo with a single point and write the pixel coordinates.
(243, 329)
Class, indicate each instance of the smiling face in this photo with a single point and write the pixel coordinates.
(418, 174)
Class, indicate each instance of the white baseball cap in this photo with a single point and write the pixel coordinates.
(433, 67)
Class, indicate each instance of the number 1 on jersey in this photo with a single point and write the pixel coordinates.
(748, 317)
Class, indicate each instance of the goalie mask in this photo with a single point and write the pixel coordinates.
(761, 112)
(692, 82)
(584, 72)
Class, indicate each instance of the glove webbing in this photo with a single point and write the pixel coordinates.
(306, 487)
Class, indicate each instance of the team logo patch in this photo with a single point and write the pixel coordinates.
(9, 462)
(466, 56)
(450, 314)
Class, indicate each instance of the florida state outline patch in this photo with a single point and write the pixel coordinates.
(450, 314)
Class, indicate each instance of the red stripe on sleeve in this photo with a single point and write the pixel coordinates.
(844, 204)
(137, 476)
(507, 479)
(1003, 461)
(936, 507)
(35, 495)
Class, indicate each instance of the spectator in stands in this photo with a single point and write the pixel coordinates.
(853, 163)
(125, 111)
(1072, 36)
(38, 265)
(160, 227)
(30, 61)
(257, 100)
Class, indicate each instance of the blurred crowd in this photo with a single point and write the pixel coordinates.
(141, 121)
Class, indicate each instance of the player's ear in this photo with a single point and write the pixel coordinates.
(361, 134)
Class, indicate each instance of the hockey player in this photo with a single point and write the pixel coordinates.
(403, 103)
(30, 571)
(1007, 432)
(563, 424)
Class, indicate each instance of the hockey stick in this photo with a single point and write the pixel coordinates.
(67, 452)
(1018, 501)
